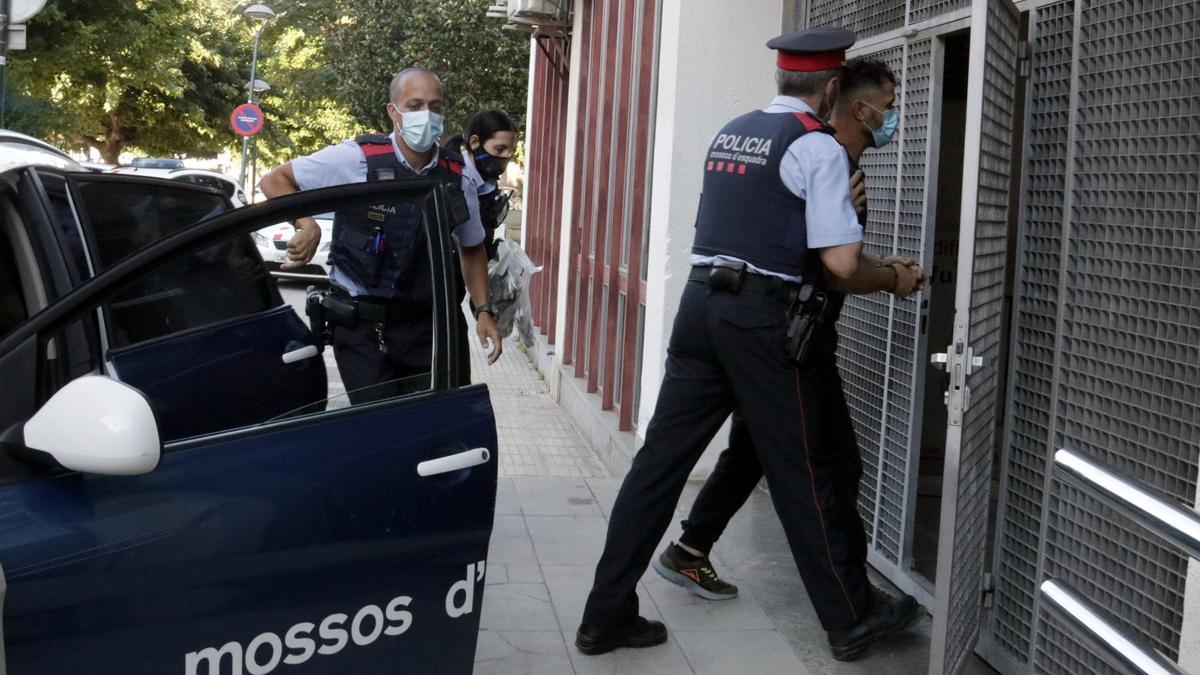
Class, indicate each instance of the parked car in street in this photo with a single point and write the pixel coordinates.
(175, 496)
(173, 169)
(272, 246)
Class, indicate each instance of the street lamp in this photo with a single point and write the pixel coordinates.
(262, 14)
(260, 86)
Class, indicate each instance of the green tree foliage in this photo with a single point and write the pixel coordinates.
(162, 76)
(481, 65)
(108, 74)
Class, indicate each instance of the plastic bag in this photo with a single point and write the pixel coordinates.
(508, 290)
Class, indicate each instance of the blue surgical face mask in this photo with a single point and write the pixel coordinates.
(886, 133)
(420, 129)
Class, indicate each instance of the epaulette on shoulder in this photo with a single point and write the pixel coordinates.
(812, 123)
(374, 144)
(452, 160)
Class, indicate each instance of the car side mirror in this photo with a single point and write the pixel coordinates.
(96, 424)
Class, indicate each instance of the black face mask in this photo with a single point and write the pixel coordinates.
(490, 166)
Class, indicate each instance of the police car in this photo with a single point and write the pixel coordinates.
(173, 169)
(272, 246)
(175, 493)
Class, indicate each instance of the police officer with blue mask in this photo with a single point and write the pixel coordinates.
(775, 225)
(380, 303)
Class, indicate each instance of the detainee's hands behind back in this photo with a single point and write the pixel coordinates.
(910, 277)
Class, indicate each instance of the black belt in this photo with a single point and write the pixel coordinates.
(384, 310)
(761, 284)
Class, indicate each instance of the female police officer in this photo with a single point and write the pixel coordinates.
(486, 144)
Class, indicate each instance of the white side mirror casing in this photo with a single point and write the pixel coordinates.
(97, 425)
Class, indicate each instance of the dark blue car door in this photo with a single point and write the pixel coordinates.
(216, 309)
(349, 540)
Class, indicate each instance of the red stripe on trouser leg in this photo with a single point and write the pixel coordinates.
(812, 483)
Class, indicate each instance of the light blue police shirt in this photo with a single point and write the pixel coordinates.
(345, 163)
(815, 169)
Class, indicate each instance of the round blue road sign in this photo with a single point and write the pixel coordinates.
(246, 120)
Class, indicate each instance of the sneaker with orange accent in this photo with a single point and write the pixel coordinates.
(695, 574)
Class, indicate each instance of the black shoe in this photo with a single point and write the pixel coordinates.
(887, 617)
(695, 574)
(641, 632)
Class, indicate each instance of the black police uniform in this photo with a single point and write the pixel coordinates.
(738, 471)
(381, 249)
(727, 351)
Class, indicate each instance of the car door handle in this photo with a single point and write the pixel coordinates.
(305, 352)
(463, 460)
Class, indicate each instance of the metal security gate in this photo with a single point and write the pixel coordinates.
(881, 341)
(1107, 324)
(972, 358)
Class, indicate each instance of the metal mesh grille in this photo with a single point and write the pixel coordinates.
(1131, 329)
(987, 300)
(864, 329)
(908, 240)
(1078, 553)
(1036, 317)
(864, 17)
(921, 10)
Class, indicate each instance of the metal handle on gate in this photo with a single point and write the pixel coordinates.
(1178, 525)
(1089, 623)
(1172, 522)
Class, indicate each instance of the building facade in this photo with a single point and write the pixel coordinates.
(1046, 173)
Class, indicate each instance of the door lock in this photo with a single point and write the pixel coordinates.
(939, 360)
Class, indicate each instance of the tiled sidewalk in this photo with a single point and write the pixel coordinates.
(536, 437)
(551, 517)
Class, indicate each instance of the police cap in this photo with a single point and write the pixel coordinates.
(812, 49)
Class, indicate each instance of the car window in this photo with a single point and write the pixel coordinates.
(271, 366)
(224, 281)
(67, 229)
(12, 296)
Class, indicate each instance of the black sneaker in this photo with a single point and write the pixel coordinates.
(641, 633)
(695, 574)
(888, 617)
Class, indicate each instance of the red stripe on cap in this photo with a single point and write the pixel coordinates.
(372, 149)
(810, 62)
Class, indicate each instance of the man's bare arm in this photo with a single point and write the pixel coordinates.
(303, 245)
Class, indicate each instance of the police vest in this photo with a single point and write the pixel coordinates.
(746, 211)
(382, 248)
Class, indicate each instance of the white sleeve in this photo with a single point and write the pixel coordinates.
(339, 164)
(471, 232)
(815, 169)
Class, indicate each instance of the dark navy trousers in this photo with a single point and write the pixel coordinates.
(726, 352)
(738, 470)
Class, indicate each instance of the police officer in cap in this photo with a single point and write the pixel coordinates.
(380, 271)
(864, 117)
(775, 215)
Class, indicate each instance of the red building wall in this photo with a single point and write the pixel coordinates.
(609, 216)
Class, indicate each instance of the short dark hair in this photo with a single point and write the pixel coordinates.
(863, 73)
(802, 83)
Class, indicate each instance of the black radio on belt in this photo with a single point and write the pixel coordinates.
(804, 314)
(727, 275)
